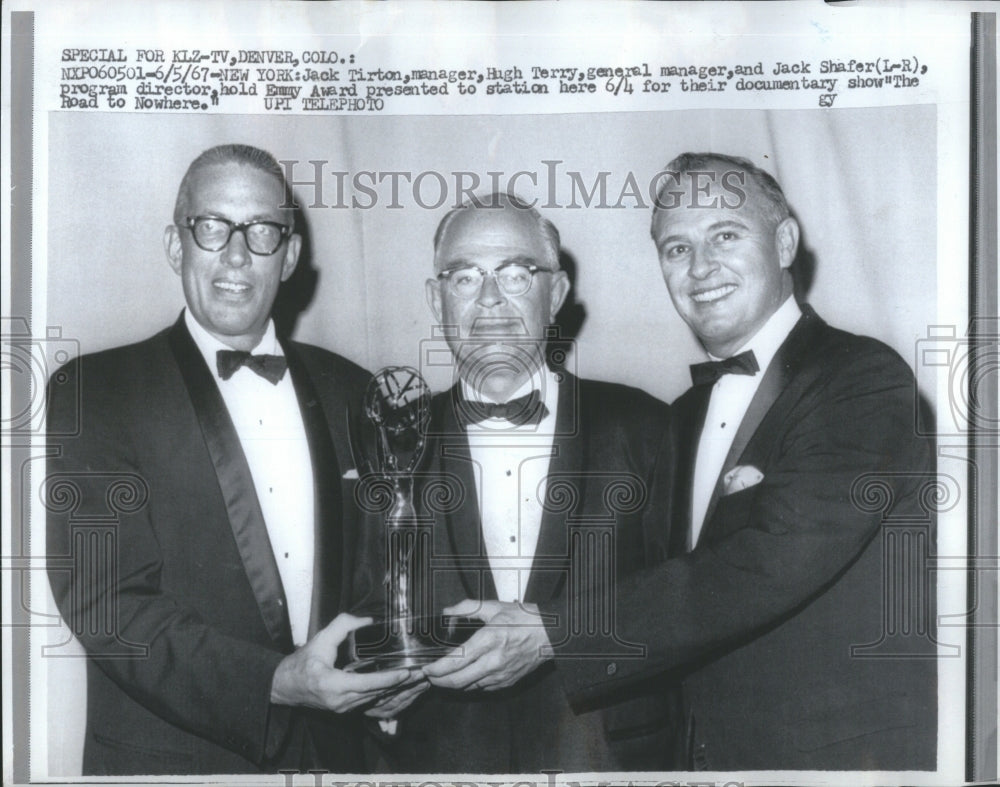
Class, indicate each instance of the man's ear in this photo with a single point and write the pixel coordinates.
(787, 240)
(432, 289)
(172, 245)
(558, 292)
(292, 250)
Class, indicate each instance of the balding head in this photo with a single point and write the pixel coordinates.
(233, 153)
(500, 201)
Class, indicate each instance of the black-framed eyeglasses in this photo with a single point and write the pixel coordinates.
(513, 278)
(212, 233)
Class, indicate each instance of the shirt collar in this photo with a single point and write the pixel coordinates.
(771, 336)
(209, 345)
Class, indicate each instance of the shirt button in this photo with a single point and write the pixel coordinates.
(612, 668)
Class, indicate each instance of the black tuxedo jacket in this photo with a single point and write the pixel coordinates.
(160, 561)
(802, 619)
(603, 518)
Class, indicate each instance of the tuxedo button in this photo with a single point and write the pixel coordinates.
(281, 603)
(612, 668)
(700, 758)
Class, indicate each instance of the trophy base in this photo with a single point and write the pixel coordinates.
(386, 645)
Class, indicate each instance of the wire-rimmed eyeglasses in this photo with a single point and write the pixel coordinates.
(513, 278)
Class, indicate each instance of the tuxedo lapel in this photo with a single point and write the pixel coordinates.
(688, 420)
(551, 562)
(462, 526)
(769, 396)
(235, 484)
(328, 532)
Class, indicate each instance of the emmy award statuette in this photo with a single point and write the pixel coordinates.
(397, 411)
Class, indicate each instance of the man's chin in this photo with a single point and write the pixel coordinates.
(496, 350)
(496, 365)
(236, 334)
(714, 333)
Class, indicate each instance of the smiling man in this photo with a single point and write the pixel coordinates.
(726, 260)
(556, 492)
(219, 450)
(798, 469)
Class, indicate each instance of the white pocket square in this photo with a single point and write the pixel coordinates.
(388, 726)
(351, 474)
(739, 478)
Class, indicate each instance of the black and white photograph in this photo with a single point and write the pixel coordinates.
(627, 424)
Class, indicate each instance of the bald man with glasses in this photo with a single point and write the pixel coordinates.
(557, 496)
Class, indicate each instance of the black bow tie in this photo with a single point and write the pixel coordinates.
(270, 367)
(527, 409)
(710, 371)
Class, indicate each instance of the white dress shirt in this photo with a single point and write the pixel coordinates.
(731, 396)
(513, 465)
(270, 428)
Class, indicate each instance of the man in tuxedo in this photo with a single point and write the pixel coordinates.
(798, 474)
(554, 493)
(199, 522)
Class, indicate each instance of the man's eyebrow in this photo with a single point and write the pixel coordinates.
(221, 214)
(456, 263)
(519, 259)
(728, 223)
(714, 227)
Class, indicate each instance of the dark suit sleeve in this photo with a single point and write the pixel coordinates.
(657, 469)
(779, 544)
(627, 476)
(107, 584)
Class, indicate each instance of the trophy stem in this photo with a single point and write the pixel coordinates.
(409, 635)
(401, 526)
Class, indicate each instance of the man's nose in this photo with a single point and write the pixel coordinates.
(236, 254)
(703, 263)
(490, 294)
